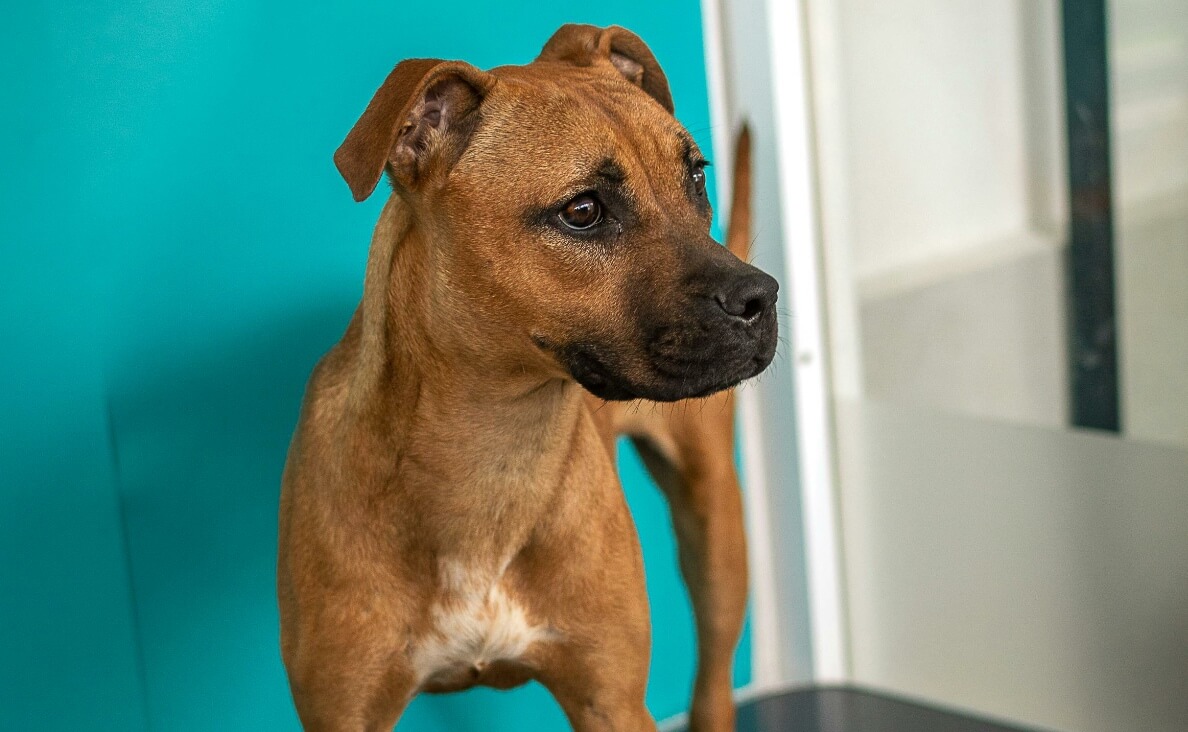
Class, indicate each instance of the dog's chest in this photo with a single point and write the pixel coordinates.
(474, 625)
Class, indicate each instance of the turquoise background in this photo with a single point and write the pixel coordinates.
(178, 250)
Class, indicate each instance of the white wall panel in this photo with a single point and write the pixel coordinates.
(1031, 574)
(936, 128)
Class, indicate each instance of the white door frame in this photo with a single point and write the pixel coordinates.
(756, 53)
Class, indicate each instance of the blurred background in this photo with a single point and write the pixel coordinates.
(966, 474)
(1002, 193)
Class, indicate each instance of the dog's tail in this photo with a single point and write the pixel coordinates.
(738, 231)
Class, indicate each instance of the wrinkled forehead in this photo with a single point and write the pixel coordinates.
(562, 124)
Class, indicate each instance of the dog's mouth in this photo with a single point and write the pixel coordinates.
(595, 370)
(594, 376)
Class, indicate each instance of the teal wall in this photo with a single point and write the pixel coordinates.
(177, 251)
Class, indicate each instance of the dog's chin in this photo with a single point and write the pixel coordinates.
(664, 385)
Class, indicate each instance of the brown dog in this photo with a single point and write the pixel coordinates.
(450, 515)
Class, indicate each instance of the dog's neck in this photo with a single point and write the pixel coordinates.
(414, 318)
(494, 432)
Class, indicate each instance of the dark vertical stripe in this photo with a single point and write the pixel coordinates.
(133, 604)
(1093, 343)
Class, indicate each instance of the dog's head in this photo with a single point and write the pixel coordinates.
(568, 206)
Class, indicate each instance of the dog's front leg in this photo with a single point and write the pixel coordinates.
(597, 666)
(352, 678)
(601, 690)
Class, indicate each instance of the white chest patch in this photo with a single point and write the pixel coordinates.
(476, 624)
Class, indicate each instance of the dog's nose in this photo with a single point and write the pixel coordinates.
(748, 297)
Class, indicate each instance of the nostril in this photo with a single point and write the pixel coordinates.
(743, 308)
(749, 300)
(752, 309)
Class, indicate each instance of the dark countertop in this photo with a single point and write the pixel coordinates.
(853, 710)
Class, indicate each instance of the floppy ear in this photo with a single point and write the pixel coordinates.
(423, 113)
(586, 45)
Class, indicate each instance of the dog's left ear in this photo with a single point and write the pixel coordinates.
(586, 45)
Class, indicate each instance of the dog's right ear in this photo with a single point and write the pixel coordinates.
(420, 117)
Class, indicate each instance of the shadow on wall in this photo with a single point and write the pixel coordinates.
(200, 444)
(67, 639)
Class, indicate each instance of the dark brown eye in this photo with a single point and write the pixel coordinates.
(583, 212)
(699, 180)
